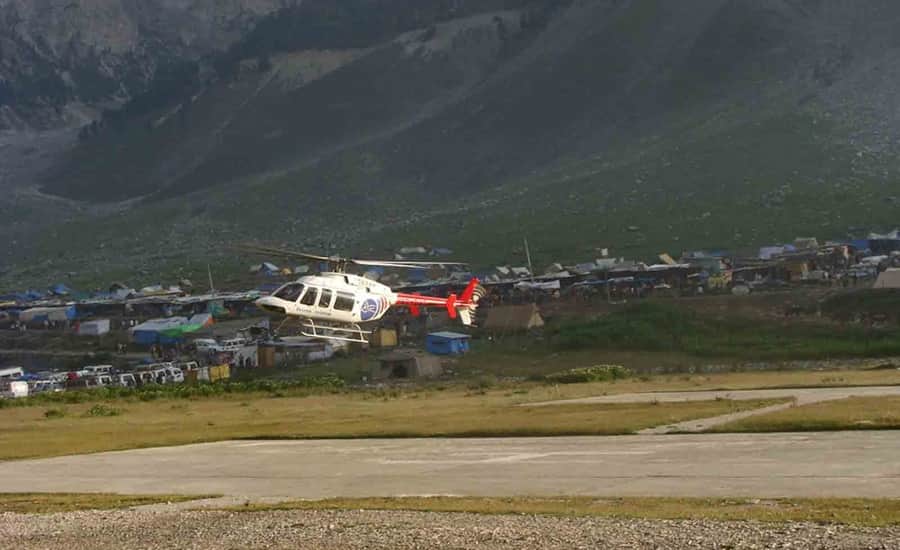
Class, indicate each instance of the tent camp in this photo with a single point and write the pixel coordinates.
(513, 318)
(170, 330)
(890, 278)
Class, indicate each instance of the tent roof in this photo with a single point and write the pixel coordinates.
(514, 317)
(449, 335)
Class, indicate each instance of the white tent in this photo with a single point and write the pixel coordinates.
(889, 278)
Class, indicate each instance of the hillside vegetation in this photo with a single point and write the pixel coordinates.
(640, 125)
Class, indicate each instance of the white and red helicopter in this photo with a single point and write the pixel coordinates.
(335, 305)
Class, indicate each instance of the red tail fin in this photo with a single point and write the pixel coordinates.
(469, 292)
(451, 306)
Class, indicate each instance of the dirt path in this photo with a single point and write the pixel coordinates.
(800, 396)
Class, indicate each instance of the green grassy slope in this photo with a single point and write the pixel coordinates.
(642, 126)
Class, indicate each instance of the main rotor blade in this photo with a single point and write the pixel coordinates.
(272, 251)
(402, 264)
(405, 264)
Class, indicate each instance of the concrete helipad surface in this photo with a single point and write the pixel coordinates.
(845, 464)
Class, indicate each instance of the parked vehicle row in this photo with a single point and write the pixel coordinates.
(102, 376)
(156, 373)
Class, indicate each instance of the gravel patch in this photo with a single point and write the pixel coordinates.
(154, 529)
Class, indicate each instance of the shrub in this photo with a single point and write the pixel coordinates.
(483, 382)
(100, 410)
(54, 413)
(598, 373)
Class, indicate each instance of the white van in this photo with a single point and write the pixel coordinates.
(126, 380)
(97, 369)
(11, 373)
(206, 345)
(233, 344)
(174, 375)
(144, 377)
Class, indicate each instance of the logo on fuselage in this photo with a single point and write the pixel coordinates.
(368, 310)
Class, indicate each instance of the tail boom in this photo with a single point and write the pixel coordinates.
(462, 307)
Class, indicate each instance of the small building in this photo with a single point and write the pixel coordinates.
(384, 338)
(513, 318)
(447, 343)
(405, 364)
(94, 328)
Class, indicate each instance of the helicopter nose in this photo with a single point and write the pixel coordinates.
(270, 304)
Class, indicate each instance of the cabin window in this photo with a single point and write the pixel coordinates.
(325, 299)
(290, 292)
(311, 296)
(344, 301)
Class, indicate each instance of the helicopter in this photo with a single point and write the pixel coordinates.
(335, 305)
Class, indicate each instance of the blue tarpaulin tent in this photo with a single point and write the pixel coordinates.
(447, 343)
(60, 290)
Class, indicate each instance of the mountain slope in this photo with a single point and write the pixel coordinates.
(62, 61)
(642, 125)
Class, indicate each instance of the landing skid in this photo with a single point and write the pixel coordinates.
(341, 333)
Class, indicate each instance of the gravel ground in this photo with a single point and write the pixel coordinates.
(407, 530)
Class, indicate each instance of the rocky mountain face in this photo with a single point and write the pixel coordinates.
(638, 125)
(63, 61)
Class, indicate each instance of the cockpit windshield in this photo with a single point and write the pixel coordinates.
(289, 292)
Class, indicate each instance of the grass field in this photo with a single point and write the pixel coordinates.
(862, 512)
(855, 413)
(37, 503)
(478, 407)
(83, 428)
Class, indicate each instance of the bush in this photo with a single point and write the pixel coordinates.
(483, 382)
(54, 413)
(100, 410)
(598, 373)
